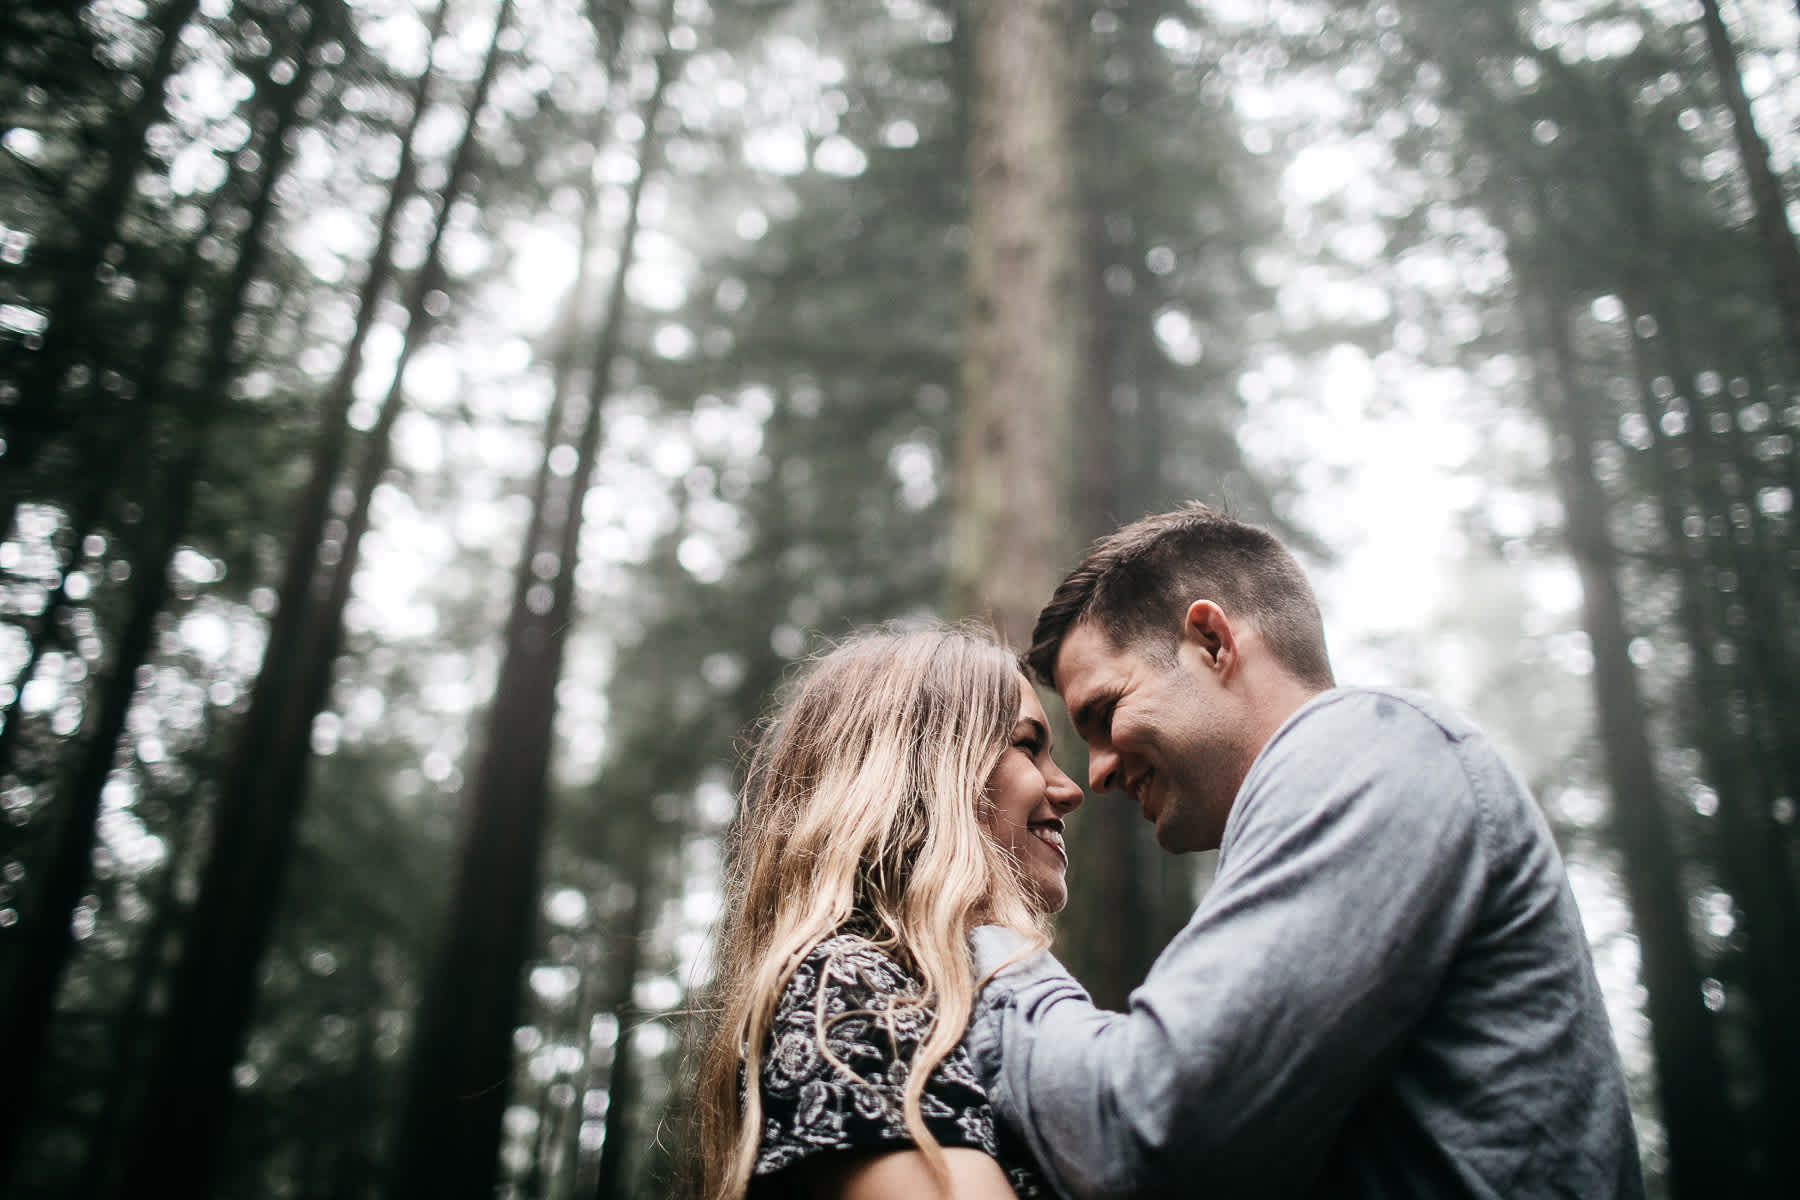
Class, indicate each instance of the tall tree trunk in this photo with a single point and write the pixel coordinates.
(189, 1089)
(130, 1029)
(1704, 1146)
(1774, 587)
(118, 438)
(613, 1180)
(461, 1058)
(302, 567)
(1023, 331)
(1774, 233)
(49, 943)
(305, 572)
(1767, 624)
(355, 1170)
(568, 342)
(38, 414)
(71, 865)
(1752, 852)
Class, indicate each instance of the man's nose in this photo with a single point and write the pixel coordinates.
(1103, 767)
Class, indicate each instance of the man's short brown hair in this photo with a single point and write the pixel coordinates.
(1136, 584)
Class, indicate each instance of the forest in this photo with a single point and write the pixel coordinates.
(430, 430)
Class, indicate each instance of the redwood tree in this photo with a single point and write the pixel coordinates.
(1023, 331)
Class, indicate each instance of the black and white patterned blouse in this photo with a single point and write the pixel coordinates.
(811, 1106)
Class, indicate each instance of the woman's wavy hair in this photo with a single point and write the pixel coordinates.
(861, 807)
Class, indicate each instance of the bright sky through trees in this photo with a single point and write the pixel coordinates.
(1345, 260)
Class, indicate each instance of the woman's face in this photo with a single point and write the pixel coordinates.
(1027, 796)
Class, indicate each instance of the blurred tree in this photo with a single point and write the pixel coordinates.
(779, 461)
(59, 365)
(67, 873)
(44, 47)
(317, 1082)
(449, 1134)
(612, 1180)
(1661, 487)
(858, 310)
(1170, 214)
(1729, 593)
(1704, 1146)
(1023, 331)
(182, 1121)
(1770, 220)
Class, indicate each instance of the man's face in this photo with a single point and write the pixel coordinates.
(1171, 737)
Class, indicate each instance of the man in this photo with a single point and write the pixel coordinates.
(1386, 991)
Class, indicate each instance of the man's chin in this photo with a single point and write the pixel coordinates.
(1179, 837)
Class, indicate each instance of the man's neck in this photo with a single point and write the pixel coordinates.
(1274, 696)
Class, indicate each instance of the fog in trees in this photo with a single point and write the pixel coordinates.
(430, 432)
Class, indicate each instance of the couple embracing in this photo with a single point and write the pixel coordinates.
(1385, 992)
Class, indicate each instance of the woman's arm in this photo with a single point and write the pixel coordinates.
(903, 1175)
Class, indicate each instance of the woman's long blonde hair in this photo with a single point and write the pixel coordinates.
(862, 799)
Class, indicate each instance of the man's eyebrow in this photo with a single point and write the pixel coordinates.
(1084, 715)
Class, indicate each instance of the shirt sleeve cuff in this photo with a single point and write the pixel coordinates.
(993, 946)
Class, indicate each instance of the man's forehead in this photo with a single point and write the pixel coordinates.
(1086, 664)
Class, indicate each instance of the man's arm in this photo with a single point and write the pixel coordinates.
(1352, 867)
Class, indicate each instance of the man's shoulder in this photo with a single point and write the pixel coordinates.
(1387, 747)
(1382, 704)
(1376, 720)
(1405, 746)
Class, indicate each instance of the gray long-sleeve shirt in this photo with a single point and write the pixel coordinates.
(1386, 992)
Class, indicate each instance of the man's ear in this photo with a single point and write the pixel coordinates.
(1206, 627)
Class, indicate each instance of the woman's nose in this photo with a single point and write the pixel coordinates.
(1065, 794)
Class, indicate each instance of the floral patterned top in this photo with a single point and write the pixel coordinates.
(812, 1106)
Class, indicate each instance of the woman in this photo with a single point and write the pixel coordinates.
(904, 794)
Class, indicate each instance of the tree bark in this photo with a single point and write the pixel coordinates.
(1023, 332)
